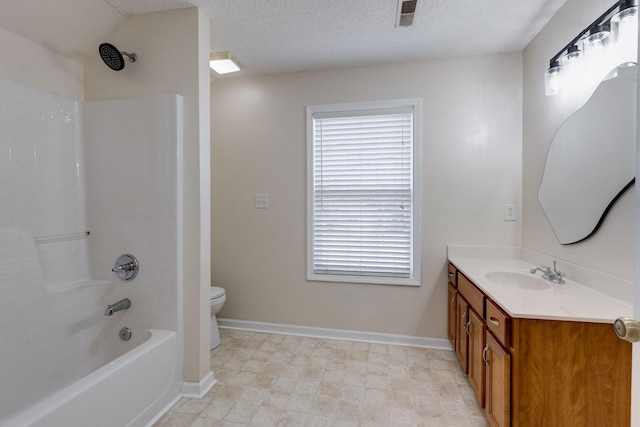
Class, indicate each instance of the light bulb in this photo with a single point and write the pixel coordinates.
(553, 79)
(597, 40)
(573, 55)
(625, 23)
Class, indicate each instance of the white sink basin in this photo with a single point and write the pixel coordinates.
(517, 280)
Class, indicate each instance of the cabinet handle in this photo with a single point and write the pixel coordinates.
(484, 355)
(453, 301)
(464, 314)
(467, 326)
(494, 321)
(451, 274)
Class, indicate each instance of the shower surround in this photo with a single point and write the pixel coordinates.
(109, 168)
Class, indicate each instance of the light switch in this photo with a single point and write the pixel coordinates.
(261, 201)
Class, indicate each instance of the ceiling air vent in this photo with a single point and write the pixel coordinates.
(406, 12)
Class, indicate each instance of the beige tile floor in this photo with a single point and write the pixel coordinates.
(280, 380)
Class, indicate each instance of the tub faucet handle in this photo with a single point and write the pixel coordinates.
(126, 267)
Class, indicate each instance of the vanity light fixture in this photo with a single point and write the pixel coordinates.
(223, 63)
(610, 40)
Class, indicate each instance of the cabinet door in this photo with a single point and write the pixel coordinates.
(462, 340)
(498, 383)
(477, 330)
(451, 315)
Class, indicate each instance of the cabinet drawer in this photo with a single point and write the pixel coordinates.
(452, 275)
(498, 322)
(472, 294)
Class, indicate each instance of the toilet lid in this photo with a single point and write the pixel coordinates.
(216, 292)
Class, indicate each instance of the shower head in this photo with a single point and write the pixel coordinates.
(113, 57)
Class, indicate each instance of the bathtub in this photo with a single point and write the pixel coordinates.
(132, 390)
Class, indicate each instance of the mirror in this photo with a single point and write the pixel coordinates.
(591, 160)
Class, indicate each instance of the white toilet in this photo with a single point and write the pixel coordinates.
(218, 297)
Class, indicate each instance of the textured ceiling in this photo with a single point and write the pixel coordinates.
(273, 36)
(270, 36)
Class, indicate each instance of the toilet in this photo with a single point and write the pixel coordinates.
(218, 297)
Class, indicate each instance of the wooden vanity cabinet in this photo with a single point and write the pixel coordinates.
(540, 373)
(451, 308)
(470, 332)
(497, 360)
(462, 339)
(451, 315)
(569, 374)
(498, 383)
(477, 331)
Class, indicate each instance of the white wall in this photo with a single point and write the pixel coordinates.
(32, 65)
(471, 157)
(173, 52)
(611, 249)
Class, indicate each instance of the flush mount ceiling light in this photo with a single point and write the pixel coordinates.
(597, 51)
(223, 63)
(406, 13)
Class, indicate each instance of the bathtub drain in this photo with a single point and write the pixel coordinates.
(125, 334)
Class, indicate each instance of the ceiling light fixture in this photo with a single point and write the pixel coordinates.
(610, 40)
(223, 63)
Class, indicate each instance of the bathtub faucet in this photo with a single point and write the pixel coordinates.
(123, 304)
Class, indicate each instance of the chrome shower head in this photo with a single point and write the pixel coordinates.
(113, 57)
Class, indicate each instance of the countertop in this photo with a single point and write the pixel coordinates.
(571, 301)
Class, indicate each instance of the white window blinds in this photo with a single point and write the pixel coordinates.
(363, 204)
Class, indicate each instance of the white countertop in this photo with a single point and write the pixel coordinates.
(598, 297)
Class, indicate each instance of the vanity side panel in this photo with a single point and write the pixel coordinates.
(569, 374)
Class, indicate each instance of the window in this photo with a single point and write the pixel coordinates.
(362, 204)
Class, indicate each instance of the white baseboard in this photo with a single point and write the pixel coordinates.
(336, 334)
(197, 389)
(163, 411)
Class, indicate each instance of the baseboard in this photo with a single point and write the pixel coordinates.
(197, 390)
(163, 411)
(336, 334)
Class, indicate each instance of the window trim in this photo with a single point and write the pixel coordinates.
(416, 104)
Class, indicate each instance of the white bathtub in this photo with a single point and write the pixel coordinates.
(132, 390)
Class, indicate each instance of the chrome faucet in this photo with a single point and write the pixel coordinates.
(123, 304)
(553, 276)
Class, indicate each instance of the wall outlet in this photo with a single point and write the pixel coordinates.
(509, 212)
(261, 201)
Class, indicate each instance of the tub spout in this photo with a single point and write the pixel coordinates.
(120, 305)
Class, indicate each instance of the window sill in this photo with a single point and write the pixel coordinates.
(365, 280)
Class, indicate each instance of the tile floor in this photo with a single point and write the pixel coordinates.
(279, 380)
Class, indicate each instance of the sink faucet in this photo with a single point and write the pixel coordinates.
(553, 276)
(123, 304)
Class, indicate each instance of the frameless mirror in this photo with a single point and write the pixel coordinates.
(591, 160)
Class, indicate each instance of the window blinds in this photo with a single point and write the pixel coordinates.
(362, 193)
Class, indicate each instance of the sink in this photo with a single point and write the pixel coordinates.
(517, 280)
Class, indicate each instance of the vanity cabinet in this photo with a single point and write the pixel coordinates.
(536, 372)
(462, 339)
(477, 337)
(498, 383)
(451, 314)
(470, 333)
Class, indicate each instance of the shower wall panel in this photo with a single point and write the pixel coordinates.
(42, 179)
(132, 155)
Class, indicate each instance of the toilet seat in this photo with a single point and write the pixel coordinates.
(216, 292)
